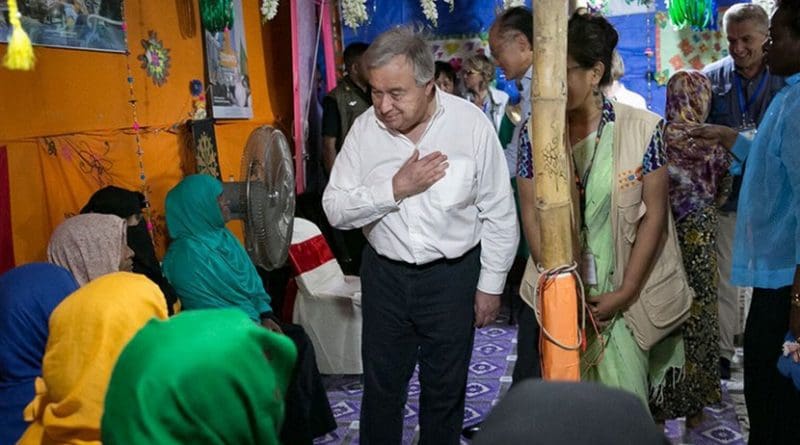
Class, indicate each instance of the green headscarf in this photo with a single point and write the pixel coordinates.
(204, 377)
(206, 264)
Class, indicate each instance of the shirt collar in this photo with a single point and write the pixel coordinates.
(793, 79)
(526, 79)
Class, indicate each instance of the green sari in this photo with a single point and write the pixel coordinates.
(621, 363)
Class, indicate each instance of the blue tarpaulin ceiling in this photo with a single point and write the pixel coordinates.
(473, 17)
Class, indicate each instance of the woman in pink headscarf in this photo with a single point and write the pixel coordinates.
(696, 171)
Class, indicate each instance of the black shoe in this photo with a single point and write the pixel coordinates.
(724, 368)
(470, 431)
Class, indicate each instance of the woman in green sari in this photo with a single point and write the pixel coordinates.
(600, 130)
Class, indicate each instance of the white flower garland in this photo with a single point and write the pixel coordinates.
(429, 9)
(354, 12)
(513, 3)
(269, 9)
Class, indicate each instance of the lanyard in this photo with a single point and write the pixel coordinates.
(583, 180)
(744, 106)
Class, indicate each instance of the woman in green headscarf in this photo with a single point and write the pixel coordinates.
(226, 382)
(209, 268)
(205, 263)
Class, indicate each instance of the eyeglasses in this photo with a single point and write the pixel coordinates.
(573, 67)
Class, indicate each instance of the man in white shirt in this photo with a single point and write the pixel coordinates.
(423, 173)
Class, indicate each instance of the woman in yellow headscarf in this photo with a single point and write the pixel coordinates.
(87, 333)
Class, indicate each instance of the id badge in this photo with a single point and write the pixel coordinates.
(589, 269)
(748, 129)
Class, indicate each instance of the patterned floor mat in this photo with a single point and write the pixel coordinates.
(493, 357)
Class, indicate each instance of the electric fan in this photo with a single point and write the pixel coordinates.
(264, 198)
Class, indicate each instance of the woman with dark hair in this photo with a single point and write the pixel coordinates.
(618, 158)
(445, 77)
(128, 205)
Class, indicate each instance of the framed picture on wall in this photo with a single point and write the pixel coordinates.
(94, 25)
(229, 93)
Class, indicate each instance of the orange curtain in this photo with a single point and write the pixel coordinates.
(67, 123)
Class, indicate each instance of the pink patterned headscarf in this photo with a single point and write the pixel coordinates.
(88, 245)
(696, 168)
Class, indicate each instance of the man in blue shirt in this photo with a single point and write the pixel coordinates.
(767, 241)
(743, 88)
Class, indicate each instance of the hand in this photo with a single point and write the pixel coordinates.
(417, 175)
(716, 134)
(487, 306)
(271, 325)
(605, 306)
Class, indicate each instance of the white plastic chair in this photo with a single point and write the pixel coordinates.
(328, 303)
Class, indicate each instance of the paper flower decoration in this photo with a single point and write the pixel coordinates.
(155, 60)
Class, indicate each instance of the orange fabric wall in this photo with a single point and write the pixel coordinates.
(76, 103)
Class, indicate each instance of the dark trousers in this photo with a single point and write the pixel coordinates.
(773, 403)
(528, 364)
(413, 313)
(308, 413)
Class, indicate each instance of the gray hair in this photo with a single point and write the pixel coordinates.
(617, 66)
(402, 41)
(742, 12)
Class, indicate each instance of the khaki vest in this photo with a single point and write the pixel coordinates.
(633, 129)
(350, 103)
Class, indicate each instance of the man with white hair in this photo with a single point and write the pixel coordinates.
(743, 89)
(423, 174)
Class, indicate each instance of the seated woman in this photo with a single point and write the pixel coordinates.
(90, 246)
(245, 371)
(128, 205)
(209, 268)
(28, 295)
(87, 333)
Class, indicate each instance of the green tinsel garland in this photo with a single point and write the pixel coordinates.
(698, 14)
(216, 15)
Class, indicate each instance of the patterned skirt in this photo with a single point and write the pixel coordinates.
(698, 386)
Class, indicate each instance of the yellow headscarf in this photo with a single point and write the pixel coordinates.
(87, 333)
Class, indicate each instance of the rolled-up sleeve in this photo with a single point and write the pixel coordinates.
(348, 203)
(496, 210)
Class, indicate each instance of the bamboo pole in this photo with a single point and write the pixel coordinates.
(548, 104)
(558, 303)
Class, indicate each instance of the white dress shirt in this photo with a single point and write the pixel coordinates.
(472, 204)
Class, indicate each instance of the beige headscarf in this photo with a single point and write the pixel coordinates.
(88, 245)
